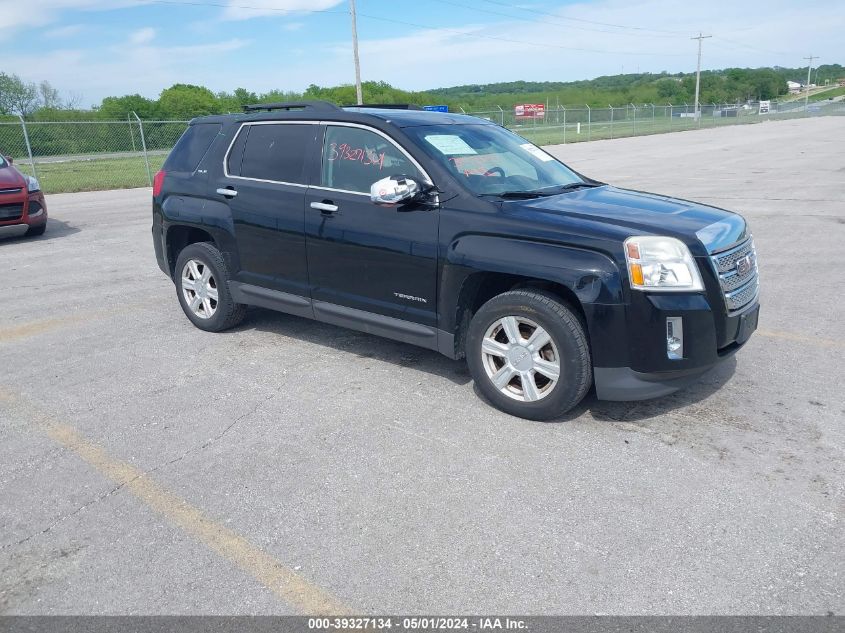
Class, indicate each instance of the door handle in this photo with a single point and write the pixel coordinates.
(326, 207)
(229, 192)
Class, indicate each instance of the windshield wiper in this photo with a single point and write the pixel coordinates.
(576, 185)
(540, 193)
(517, 195)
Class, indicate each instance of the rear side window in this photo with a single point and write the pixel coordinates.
(191, 147)
(273, 152)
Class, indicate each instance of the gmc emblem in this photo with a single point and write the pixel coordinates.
(744, 265)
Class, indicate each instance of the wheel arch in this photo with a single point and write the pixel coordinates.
(179, 236)
(479, 268)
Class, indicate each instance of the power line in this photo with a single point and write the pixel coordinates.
(556, 15)
(545, 21)
(750, 47)
(436, 28)
(240, 6)
(513, 41)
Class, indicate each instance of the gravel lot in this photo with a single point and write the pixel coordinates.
(289, 466)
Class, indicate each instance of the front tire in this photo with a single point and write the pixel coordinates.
(528, 354)
(35, 231)
(202, 285)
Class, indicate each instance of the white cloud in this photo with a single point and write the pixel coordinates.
(64, 31)
(293, 26)
(143, 69)
(18, 14)
(142, 36)
(238, 10)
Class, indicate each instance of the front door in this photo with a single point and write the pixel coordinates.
(376, 259)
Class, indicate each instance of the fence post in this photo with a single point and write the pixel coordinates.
(589, 122)
(502, 114)
(652, 117)
(462, 110)
(144, 147)
(131, 131)
(28, 147)
(611, 120)
(670, 116)
(634, 121)
(564, 124)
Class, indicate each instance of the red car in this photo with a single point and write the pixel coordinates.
(21, 200)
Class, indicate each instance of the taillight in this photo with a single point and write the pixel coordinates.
(158, 181)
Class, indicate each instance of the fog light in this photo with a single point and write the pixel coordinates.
(675, 337)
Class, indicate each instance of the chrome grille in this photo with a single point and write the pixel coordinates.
(10, 212)
(739, 298)
(737, 271)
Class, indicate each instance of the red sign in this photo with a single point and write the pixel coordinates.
(530, 111)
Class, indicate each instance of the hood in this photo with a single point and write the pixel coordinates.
(648, 213)
(11, 177)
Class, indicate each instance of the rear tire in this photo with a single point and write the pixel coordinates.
(528, 354)
(202, 286)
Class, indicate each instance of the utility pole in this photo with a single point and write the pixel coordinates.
(358, 92)
(698, 72)
(809, 70)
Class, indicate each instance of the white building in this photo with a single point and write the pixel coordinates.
(794, 87)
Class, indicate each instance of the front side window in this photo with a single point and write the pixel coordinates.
(491, 160)
(273, 152)
(354, 158)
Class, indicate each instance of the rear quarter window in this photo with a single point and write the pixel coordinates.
(192, 146)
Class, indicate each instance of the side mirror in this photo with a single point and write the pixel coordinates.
(390, 191)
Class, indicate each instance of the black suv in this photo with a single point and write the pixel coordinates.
(452, 233)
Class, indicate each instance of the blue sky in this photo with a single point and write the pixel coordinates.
(96, 48)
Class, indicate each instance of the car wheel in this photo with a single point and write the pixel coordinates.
(34, 231)
(528, 354)
(202, 285)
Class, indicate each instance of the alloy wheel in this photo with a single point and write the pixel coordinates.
(520, 358)
(199, 288)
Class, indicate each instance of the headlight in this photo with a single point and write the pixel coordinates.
(662, 264)
(32, 184)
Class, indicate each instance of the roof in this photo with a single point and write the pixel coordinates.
(353, 114)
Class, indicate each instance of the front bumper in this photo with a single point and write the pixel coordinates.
(23, 209)
(635, 364)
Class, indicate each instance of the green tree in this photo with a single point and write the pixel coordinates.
(17, 96)
(121, 107)
(185, 101)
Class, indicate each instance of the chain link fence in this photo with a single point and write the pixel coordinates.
(70, 156)
(560, 124)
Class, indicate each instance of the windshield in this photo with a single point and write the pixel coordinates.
(491, 160)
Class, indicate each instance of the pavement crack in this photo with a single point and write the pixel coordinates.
(69, 515)
(223, 433)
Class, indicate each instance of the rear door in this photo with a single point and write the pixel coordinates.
(366, 257)
(264, 181)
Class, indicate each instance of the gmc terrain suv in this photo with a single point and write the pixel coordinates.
(452, 233)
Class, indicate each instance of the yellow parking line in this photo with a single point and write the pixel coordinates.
(31, 329)
(801, 338)
(295, 590)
